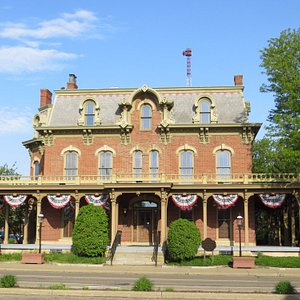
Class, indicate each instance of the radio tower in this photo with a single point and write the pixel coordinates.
(188, 54)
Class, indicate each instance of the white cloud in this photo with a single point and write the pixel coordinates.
(15, 120)
(69, 25)
(25, 59)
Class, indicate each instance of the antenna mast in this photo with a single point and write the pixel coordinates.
(188, 54)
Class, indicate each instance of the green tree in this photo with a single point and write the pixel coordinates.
(17, 214)
(90, 236)
(183, 240)
(281, 63)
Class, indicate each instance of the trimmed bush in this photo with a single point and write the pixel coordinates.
(90, 236)
(8, 281)
(284, 287)
(143, 284)
(183, 240)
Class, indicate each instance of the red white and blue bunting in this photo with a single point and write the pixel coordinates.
(97, 200)
(59, 201)
(184, 202)
(272, 200)
(225, 201)
(15, 201)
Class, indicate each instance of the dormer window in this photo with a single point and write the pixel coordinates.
(146, 117)
(89, 113)
(205, 111)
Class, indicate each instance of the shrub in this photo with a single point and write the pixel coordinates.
(284, 287)
(143, 284)
(58, 286)
(8, 281)
(90, 236)
(183, 240)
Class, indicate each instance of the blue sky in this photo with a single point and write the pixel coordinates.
(126, 44)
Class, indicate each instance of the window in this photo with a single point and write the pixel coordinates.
(186, 164)
(154, 159)
(36, 168)
(223, 164)
(137, 163)
(205, 107)
(71, 161)
(146, 117)
(105, 164)
(89, 113)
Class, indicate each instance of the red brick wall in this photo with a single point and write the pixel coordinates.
(52, 222)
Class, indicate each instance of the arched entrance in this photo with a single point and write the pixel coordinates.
(145, 215)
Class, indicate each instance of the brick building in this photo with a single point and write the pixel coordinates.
(148, 156)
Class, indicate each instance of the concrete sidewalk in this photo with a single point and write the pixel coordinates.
(214, 270)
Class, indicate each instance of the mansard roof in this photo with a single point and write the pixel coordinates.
(229, 104)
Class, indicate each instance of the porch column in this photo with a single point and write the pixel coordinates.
(246, 218)
(77, 203)
(38, 211)
(25, 228)
(204, 215)
(114, 215)
(163, 217)
(6, 225)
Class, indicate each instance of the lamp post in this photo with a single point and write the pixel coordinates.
(41, 219)
(240, 225)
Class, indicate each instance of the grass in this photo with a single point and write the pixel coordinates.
(216, 260)
(68, 258)
(11, 257)
(72, 258)
(58, 286)
(278, 262)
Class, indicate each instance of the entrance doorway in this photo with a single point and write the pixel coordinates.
(145, 219)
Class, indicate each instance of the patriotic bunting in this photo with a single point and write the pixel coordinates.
(15, 201)
(225, 201)
(97, 200)
(59, 201)
(273, 200)
(184, 202)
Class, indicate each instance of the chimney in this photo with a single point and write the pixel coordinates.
(238, 79)
(71, 85)
(45, 97)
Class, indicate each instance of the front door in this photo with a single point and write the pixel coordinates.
(144, 226)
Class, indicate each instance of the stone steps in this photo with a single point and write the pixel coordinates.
(137, 256)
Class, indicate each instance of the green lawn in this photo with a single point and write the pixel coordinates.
(225, 260)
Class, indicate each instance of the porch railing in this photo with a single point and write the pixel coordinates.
(113, 248)
(235, 178)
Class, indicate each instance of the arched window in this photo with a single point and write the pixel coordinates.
(105, 164)
(36, 168)
(146, 117)
(89, 113)
(137, 163)
(205, 111)
(223, 164)
(71, 164)
(186, 164)
(154, 163)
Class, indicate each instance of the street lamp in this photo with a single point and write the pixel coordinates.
(41, 219)
(240, 225)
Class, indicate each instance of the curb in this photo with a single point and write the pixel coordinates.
(145, 295)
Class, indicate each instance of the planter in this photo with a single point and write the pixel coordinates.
(243, 262)
(32, 258)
